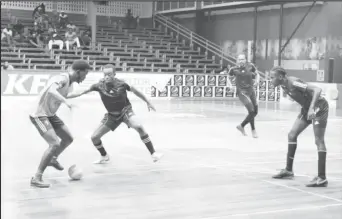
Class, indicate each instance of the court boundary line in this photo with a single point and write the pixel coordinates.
(275, 211)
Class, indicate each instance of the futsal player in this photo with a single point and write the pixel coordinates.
(315, 110)
(113, 93)
(246, 75)
(49, 125)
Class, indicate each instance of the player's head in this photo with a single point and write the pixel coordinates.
(277, 74)
(109, 73)
(241, 60)
(80, 70)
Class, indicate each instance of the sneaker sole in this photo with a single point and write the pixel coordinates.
(319, 185)
(155, 161)
(287, 177)
(40, 186)
(241, 131)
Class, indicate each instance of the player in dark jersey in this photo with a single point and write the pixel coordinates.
(246, 76)
(113, 93)
(315, 110)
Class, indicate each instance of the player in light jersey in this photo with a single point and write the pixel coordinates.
(246, 75)
(49, 125)
(113, 93)
(315, 111)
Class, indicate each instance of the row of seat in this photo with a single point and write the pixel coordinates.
(131, 50)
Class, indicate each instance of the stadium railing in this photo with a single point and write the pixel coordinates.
(198, 40)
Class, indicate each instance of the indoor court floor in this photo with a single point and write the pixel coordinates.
(209, 169)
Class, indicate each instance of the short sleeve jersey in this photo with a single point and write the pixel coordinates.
(48, 104)
(244, 76)
(297, 90)
(113, 97)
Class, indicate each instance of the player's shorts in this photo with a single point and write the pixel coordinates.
(45, 123)
(248, 98)
(322, 113)
(112, 120)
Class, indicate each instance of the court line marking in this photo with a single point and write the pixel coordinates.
(272, 183)
(275, 211)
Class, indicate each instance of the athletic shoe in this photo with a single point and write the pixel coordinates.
(284, 174)
(54, 163)
(318, 182)
(103, 160)
(157, 156)
(241, 129)
(39, 183)
(254, 134)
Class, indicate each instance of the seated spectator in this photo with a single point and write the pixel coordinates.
(86, 38)
(7, 66)
(71, 38)
(63, 19)
(137, 22)
(7, 34)
(18, 29)
(55, 40)
(120, 25)
(115, 25)
(35, 37)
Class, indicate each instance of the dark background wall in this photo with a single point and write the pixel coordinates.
(323, 21)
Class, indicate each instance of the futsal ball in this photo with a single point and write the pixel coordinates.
(75, 173)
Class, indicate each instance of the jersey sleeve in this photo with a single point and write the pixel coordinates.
(128, 88)
(300, 85)
(231, 71)
(254, 71)
(61, 82)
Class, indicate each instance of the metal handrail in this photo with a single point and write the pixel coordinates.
(185, 28)
(195, 38)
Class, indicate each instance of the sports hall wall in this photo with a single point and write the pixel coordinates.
(322, 29)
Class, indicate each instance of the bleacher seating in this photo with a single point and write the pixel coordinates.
(137, 50)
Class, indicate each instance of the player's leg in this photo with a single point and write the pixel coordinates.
(64, 134)
(246, 101)
(319, 127)
(132, 121)
(298, 127)
(107, 124)
(48, 133)
(255, 112)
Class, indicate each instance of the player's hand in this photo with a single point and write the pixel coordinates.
(311, 114)
(150, 107)
(70, 106)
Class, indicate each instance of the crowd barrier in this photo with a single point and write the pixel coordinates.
(156, 86)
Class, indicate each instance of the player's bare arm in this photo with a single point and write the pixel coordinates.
(231, 75)
(143, 97)
(316, 92)
(80, 93)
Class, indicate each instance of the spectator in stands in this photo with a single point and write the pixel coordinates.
(63, 19)
(18, 29)
(55, 39)
(137, 22)
(40, 17)
(225, 69)
(7, 34)
(120, 25)
(35, 37)
(115, 25)
(86, 38)
(7, 66)
(129, 18)
(71, 39)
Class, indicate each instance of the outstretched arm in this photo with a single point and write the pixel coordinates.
(143, 97)
(78, 94)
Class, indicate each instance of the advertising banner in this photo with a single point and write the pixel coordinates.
(161, 86)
